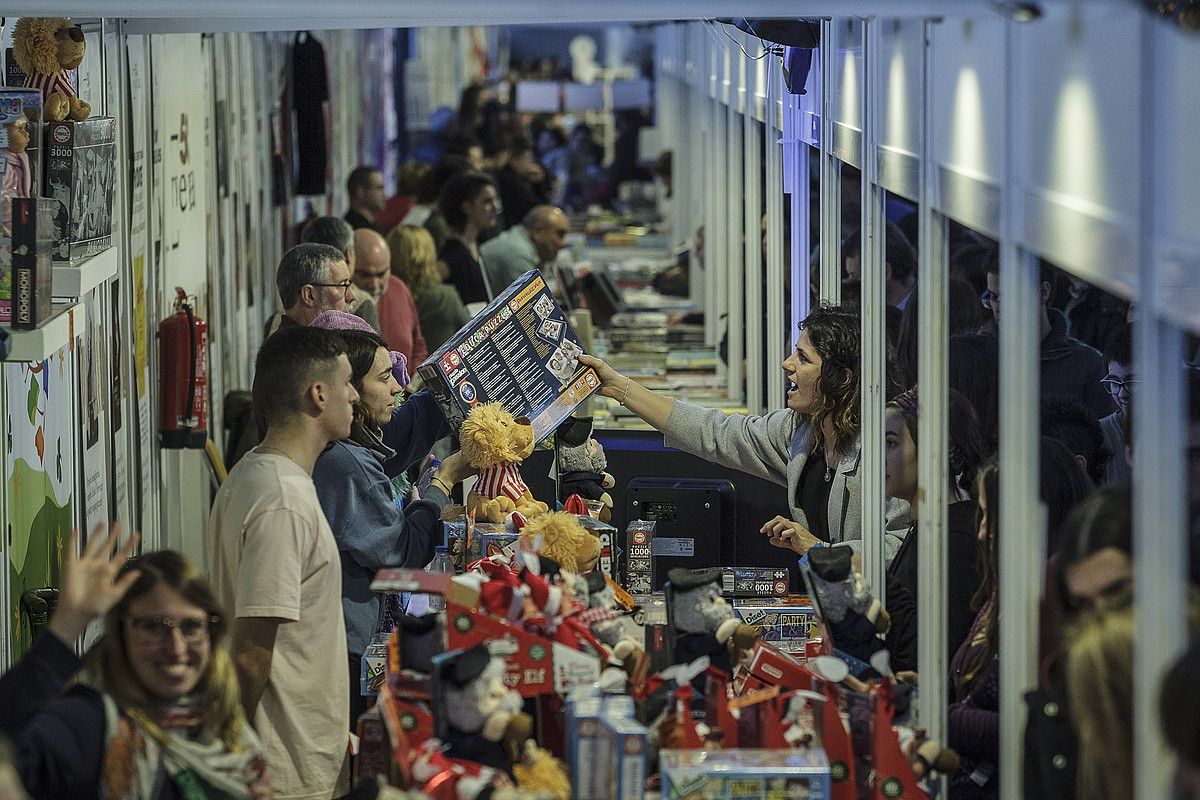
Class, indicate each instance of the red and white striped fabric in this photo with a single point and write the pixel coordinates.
(49, 84)
(502, 479)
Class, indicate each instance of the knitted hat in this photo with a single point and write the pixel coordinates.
(333, 320)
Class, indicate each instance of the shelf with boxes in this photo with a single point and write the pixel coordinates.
(49, 337)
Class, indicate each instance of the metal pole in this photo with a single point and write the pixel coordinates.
(758, 358)
(1022, 540)
(831, 198)
(778, 332)
(1160, 541)
(933, 567)
(730, 204)
(873, 345)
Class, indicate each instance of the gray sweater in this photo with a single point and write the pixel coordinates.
(775, 447)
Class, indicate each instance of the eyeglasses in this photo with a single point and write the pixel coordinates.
(989, 298)
(158, 629)
(1114, 386)
(343, 285)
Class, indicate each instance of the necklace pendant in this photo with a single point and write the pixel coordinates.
(828, 474)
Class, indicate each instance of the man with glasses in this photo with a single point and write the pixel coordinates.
(338, 233)
(531, 245)
(1119, 382)
(1069, 367)
(311, 279)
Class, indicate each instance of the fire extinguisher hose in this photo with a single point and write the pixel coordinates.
(188, 416)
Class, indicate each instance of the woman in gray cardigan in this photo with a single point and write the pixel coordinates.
(811, 446)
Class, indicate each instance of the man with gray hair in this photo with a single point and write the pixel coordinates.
(337, 233)
(311, 279)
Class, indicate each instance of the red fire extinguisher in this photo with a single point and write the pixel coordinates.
(183, 372)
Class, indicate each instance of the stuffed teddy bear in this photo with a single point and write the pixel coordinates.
(581, 471)
(46, 49)
(704, 623)
(606, 620)
(495, 443)
(560, 536)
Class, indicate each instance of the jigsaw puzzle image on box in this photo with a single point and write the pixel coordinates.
(80, 166)
(519, 351)
(786, 622)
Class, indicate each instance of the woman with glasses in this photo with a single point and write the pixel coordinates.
(1118, 356)
(153, 711)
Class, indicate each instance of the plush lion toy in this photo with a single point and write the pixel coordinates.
(566, 541)
(495, 444)
(46, 49)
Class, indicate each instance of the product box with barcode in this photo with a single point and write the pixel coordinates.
(519, 351)
(738, 774)
(32, 270)
(786, 622)
(80, 167)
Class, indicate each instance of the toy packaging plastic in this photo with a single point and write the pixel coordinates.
(80, 167)
(801, 774)
(519, 351)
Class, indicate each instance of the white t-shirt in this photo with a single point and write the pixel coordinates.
(272, 554)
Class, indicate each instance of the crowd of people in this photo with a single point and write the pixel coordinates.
(224, 685)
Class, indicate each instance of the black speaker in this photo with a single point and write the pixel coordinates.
(790, 32)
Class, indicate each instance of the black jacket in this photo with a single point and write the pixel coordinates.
(1051, 746)
(963, 576)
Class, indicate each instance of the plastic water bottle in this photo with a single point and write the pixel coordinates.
(440, 563)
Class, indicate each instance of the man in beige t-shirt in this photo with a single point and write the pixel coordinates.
(274, 564)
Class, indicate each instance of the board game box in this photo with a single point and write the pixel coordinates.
(519, 351)
(20, 176)
(32, 270)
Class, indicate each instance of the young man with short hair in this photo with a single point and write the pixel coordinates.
(274, 564)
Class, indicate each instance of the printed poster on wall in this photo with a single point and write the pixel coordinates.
(94, 382)
(40, 478)
(181, 113)
(145, 516)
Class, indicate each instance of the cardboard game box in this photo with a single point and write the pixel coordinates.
(786, 622)
(32, 270)
(620, 767)
(736, 774)
(80, 167)
(519, 351)
(754, 581)
(639, 556)
(20, 176)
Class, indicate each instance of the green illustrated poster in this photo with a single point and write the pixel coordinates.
(39, 475)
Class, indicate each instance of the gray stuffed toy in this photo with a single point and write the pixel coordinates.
(704, 623)
(581, 471)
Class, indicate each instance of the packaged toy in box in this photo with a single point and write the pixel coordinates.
(786, 622)
(519, 351)
(736, 774)
(32, 270)
(20, 135)
(80, 166)
(639, 556)
(619, 772)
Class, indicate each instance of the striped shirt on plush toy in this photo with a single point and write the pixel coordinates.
(54, 82)
(502, 479)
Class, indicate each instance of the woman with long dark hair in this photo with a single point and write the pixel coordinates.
(811, 446)
(470, 204)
